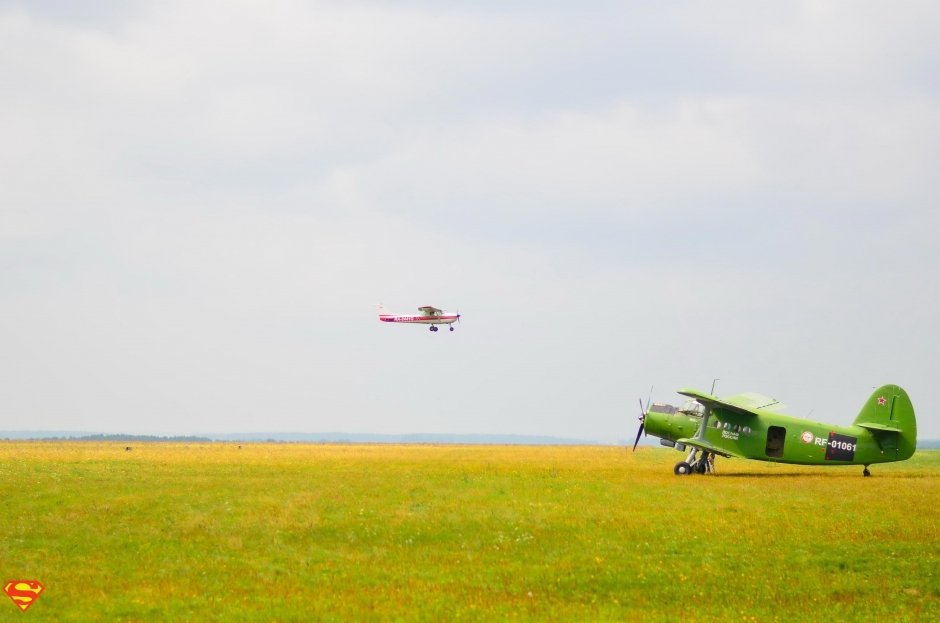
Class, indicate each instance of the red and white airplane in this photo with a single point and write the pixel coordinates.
(430, 315)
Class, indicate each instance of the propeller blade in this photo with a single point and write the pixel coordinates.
(642, 419)
(638, 433)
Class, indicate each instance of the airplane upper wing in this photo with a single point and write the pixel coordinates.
(758, 402)
(430, 311)
(745, 404)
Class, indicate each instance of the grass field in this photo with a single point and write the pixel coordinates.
(297, 532)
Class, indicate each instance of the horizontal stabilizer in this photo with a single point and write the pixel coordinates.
(879, 427)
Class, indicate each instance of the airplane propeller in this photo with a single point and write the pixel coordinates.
(642, 428)
(642, 418)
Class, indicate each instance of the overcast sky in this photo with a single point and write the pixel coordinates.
(202, 204)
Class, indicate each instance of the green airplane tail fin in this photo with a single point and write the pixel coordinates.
(889, 414)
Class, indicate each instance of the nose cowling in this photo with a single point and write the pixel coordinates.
(657, 424)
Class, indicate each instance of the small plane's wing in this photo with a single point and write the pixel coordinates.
(745, 404)
(701, 444)
(430, 311)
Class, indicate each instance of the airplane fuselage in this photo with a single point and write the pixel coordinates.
(780, 438)
(442, 319)
(885, 430)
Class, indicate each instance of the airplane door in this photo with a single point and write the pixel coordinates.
(776, 435)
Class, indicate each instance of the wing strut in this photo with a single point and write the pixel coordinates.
(700, 435)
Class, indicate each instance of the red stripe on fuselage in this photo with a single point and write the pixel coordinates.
(418, 319)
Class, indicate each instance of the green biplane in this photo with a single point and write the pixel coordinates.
(747, 426)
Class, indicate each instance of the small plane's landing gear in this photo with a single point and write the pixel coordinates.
(451, 328)
(433, 329)
(865, 472)
(682, 468)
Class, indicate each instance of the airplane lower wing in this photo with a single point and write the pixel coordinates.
(701, 444)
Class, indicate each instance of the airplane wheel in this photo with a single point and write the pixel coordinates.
(700, 467)
(866, 472)
(682, 468)
(432, 328)
(451, 328)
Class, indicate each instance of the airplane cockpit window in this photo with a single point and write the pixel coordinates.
(661, 407)
(692, 408)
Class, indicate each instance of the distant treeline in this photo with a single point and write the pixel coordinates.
(127, 438)
(351, 438)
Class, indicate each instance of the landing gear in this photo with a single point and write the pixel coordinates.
(433, 329)
(452, 328)
(705, 464)
(865, 472)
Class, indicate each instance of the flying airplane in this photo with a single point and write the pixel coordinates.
(429, 315)
(747, 426)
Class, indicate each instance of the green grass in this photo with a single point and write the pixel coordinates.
(291, 532)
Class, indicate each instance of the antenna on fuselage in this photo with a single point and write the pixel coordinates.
(713, 386)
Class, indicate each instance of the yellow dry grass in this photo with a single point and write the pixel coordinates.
(301, 532)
